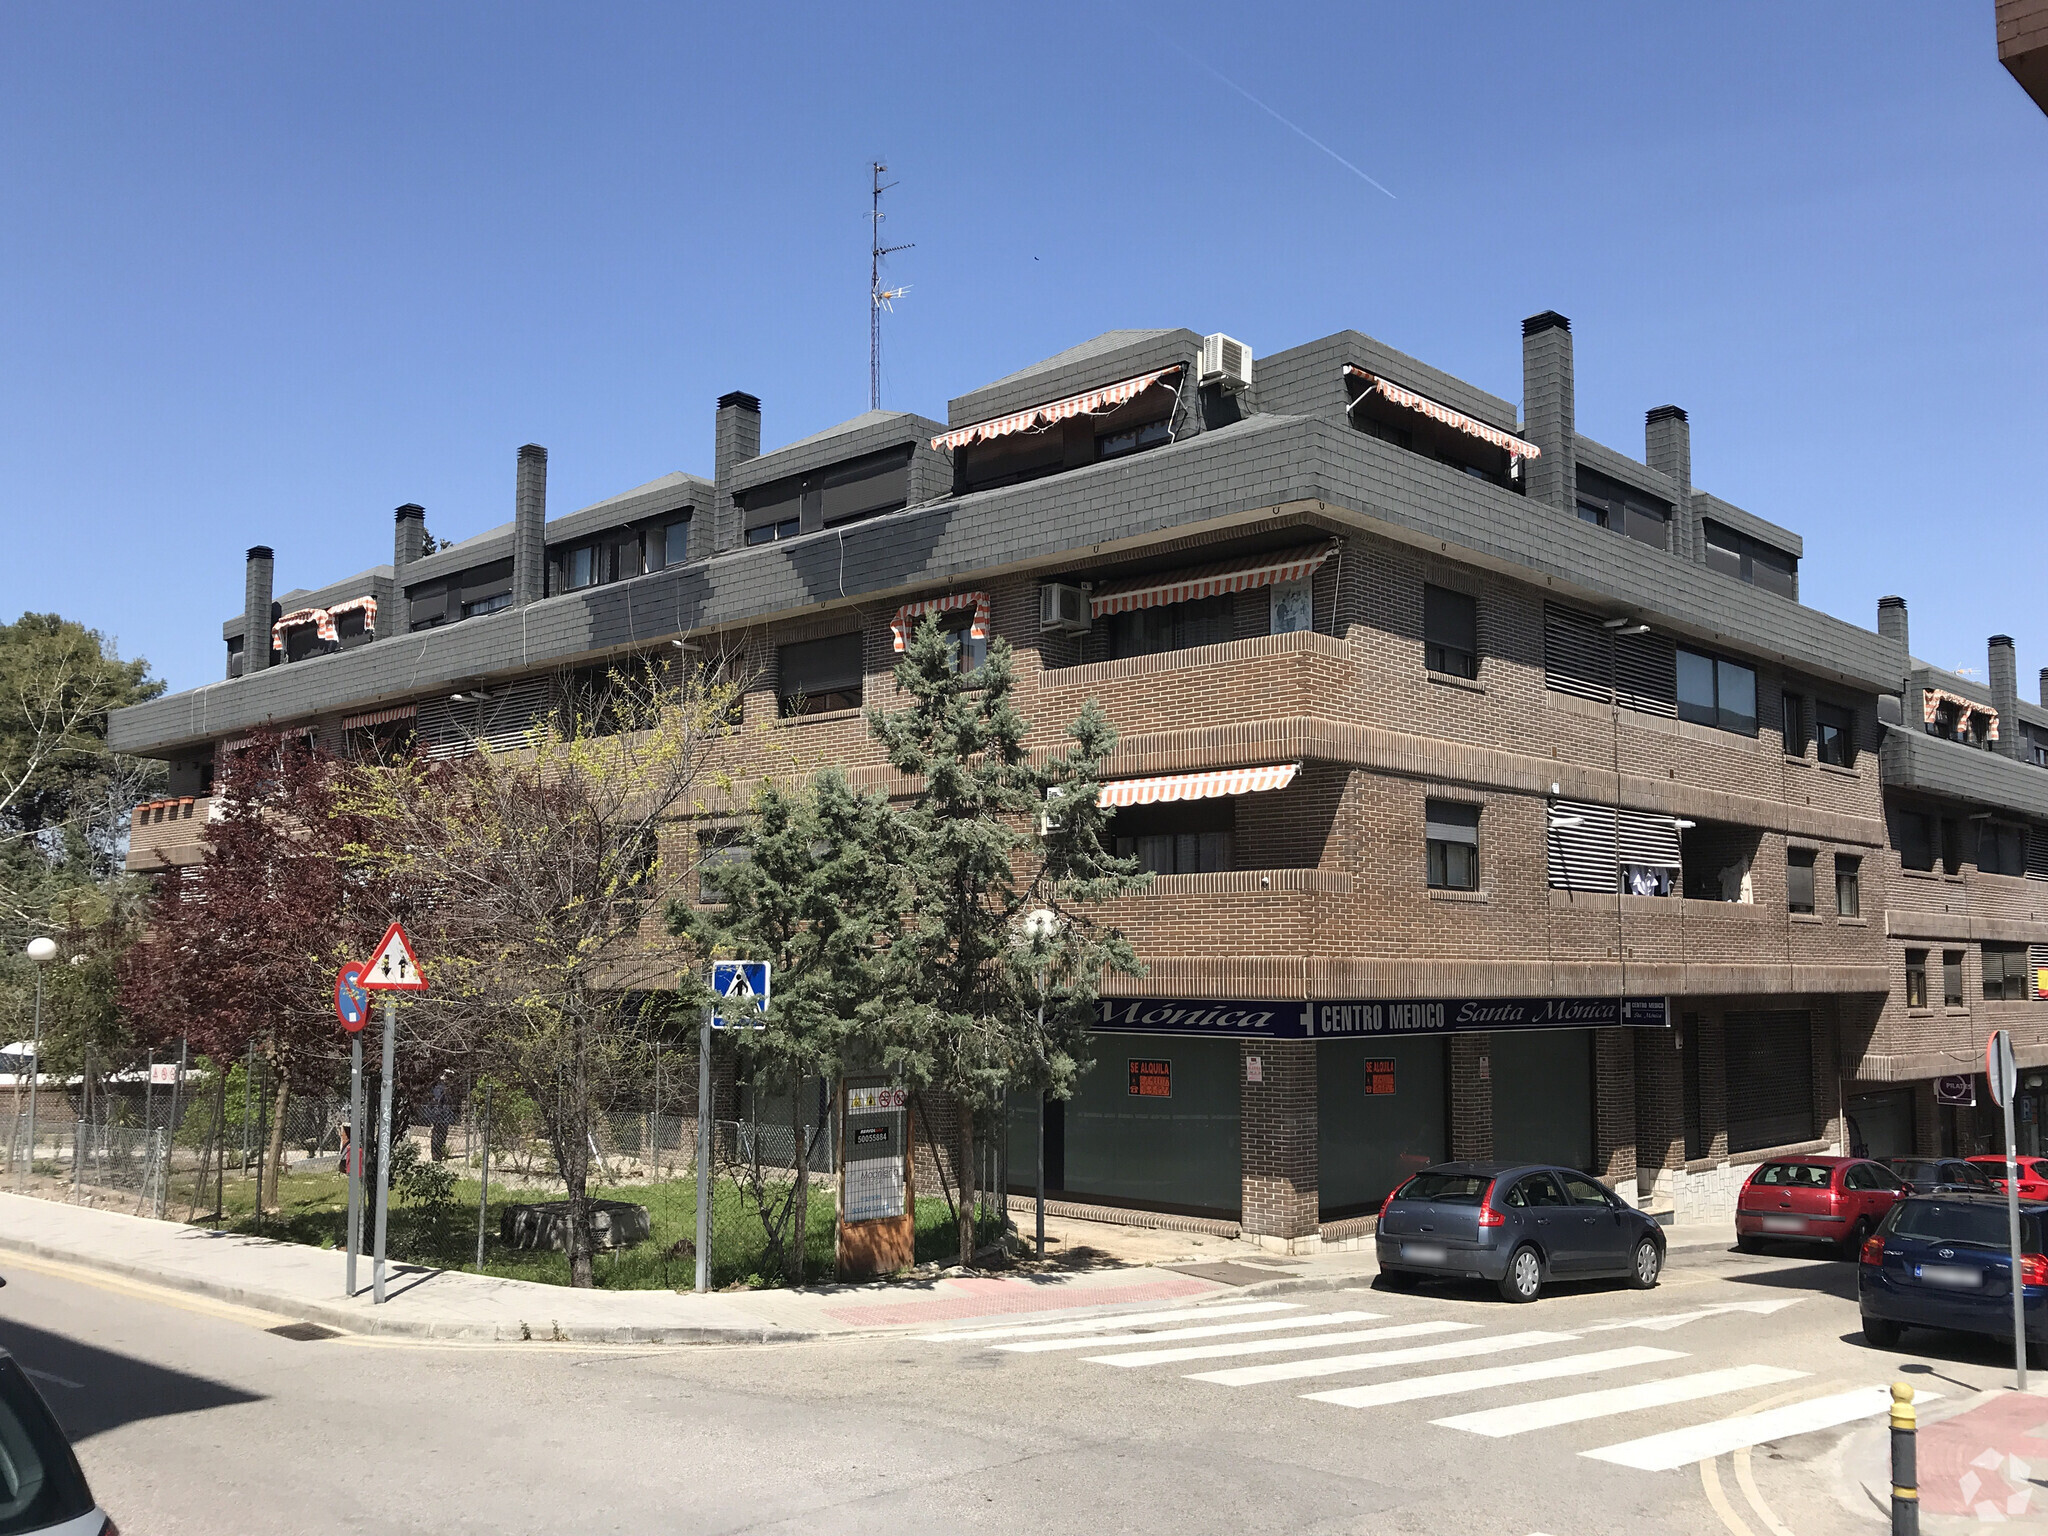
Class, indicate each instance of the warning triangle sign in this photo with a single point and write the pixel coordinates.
(393, 967)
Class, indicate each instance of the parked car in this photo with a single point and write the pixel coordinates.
(2033, 1172)
(1945, 1261)
(1518, 1225)
(1833, 1200)
(1926, 1175)
(42, 1490)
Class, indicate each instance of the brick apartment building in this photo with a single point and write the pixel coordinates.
(1504, 798)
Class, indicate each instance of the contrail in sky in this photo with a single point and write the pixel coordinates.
(1288, 122)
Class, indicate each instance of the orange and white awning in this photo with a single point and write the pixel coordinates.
(1189, 585)
(906, 616)
(1931, 700)
(368, 606)
(1095, 401)
(321, 620)
(1198, 786)
(380, 717)
(1471, 426)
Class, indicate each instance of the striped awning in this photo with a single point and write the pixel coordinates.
(1407, 399)
(1187, 585)
(380, 716)
(321, 620)
(368, 606)
(1198, 786)
(1931, 700)
(900, 626)
(1107, 398)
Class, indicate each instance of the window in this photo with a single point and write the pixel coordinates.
(2034, 745)
(1835, 731)
(2001, 848)
(814, 676)
(1450, 632)
(1799, 879)
(1715, 691)
(484, 605)
(669, 544)
(1848, 886)
(1173, 627)
(1536, 1189)
(353, 629)
(1914, 834)
(629, 558)
(968, 651)
(1608, 504)
(865, 487)
(580, 567)
(1792, 724)
(2006, 972)
(1751, 560)
(1187, 837)
(1916, 978)
(773, 511)
(1952, 978)
(1452, 833)
(1114, 445)
(1583, 1191)
(717, 851)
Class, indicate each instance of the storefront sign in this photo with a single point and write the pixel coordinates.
(1151, 1079)
(1958, 1091)
(1379, 1078)
(1228, 1019)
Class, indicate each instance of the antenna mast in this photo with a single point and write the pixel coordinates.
(879, 298)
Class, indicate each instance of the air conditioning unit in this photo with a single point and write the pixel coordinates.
(1227, 362)
(1063, 608)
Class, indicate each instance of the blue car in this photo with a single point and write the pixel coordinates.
(1945, 1261)
(1516, 1225)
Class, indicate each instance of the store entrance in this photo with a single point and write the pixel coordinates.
(1543, 1096)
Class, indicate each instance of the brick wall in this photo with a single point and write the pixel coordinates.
(1277, 1129)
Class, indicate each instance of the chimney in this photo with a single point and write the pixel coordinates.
(530, 528)
(739, 439)
(256, 621)
(2044, 687)
(2004, 671)
(1891, 623)
(406, 547)
(1548, 413)
(1667, 448)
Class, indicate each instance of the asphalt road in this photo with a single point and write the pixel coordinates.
(191, 1417)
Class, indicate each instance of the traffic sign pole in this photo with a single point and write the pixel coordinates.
(355, 1157)
(384, 1147)
(2001, 1070)
(704, 1154)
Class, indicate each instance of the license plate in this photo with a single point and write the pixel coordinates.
(1784, 1223)
(1424, 1253)
(1953, 1277)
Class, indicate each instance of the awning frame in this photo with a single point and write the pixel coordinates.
(1191, 584)
(1092, 402)
(1516, 448)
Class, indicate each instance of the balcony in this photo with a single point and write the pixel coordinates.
(168, 834)
(1915, 760)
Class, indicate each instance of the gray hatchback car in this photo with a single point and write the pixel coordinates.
(1518, 1225)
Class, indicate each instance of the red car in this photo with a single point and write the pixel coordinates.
(2033, 1175)
(1833, 1200)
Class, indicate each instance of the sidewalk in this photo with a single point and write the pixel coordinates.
(1978, 1454)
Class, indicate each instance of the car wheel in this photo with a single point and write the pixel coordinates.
(1647, 1266)
(1399, 1280)
(1747, 1244)
(1881, 1332)
(1524, 1279)
(1852, 1245)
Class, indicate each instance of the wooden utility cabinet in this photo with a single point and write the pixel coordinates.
(877, 1179)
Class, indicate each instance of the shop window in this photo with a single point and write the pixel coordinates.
(2006, 972)
(2001, 848)
(1835, 734)
(1792, 724)
(817, 676)
(1713, 690)
(1799, 879)
(1916, 978)
(1848, 886)
(1187, 837)
(1452, 833)
(1450, 631)
(1951, 978)
(1173, 627)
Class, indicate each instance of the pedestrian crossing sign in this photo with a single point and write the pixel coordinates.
(393, 967)
(742, 988)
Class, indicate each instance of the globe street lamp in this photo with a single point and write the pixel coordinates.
(1037, 929)
(42, 952)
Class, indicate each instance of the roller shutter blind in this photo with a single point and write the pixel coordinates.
(1769, 1067)
(1646, 674)
(1589, 856)
(451, 728)
(2037, 854)
(1578, 654)
(814, 668)
(865, 487)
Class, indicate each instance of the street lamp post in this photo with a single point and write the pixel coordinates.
(42, 952)
(1039, 926)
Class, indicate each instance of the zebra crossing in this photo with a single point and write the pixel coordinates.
(1457, 1361)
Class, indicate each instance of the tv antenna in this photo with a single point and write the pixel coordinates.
(879, 298)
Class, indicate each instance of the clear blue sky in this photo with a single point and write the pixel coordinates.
(270, 270)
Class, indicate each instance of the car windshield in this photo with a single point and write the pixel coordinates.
(40, 1484)
(1795, 1175)
(1447, 1188)
(1972, 1225)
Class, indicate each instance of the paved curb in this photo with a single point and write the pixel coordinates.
(370, 1322)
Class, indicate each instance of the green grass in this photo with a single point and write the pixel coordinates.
(313, 1209)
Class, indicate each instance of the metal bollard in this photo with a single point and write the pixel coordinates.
(1905, 1468)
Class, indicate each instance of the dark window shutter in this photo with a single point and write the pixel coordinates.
(816, 667)
(1769, 1065)
(1577, 654)
(1646, 674)
(1583, 857)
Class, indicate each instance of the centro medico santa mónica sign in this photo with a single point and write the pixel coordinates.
(1232, 1019)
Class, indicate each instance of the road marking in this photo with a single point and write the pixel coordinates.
(1710, 1480)
(52, 1376)
(1682, 1447)
(1210, 1331)
(1338, 1365)
(1523, 1417)
(1263, 1346)
(141, 1290)
(1451, 1383)
(1745, 1479)
(1669, 1320)
(1124, 1320)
